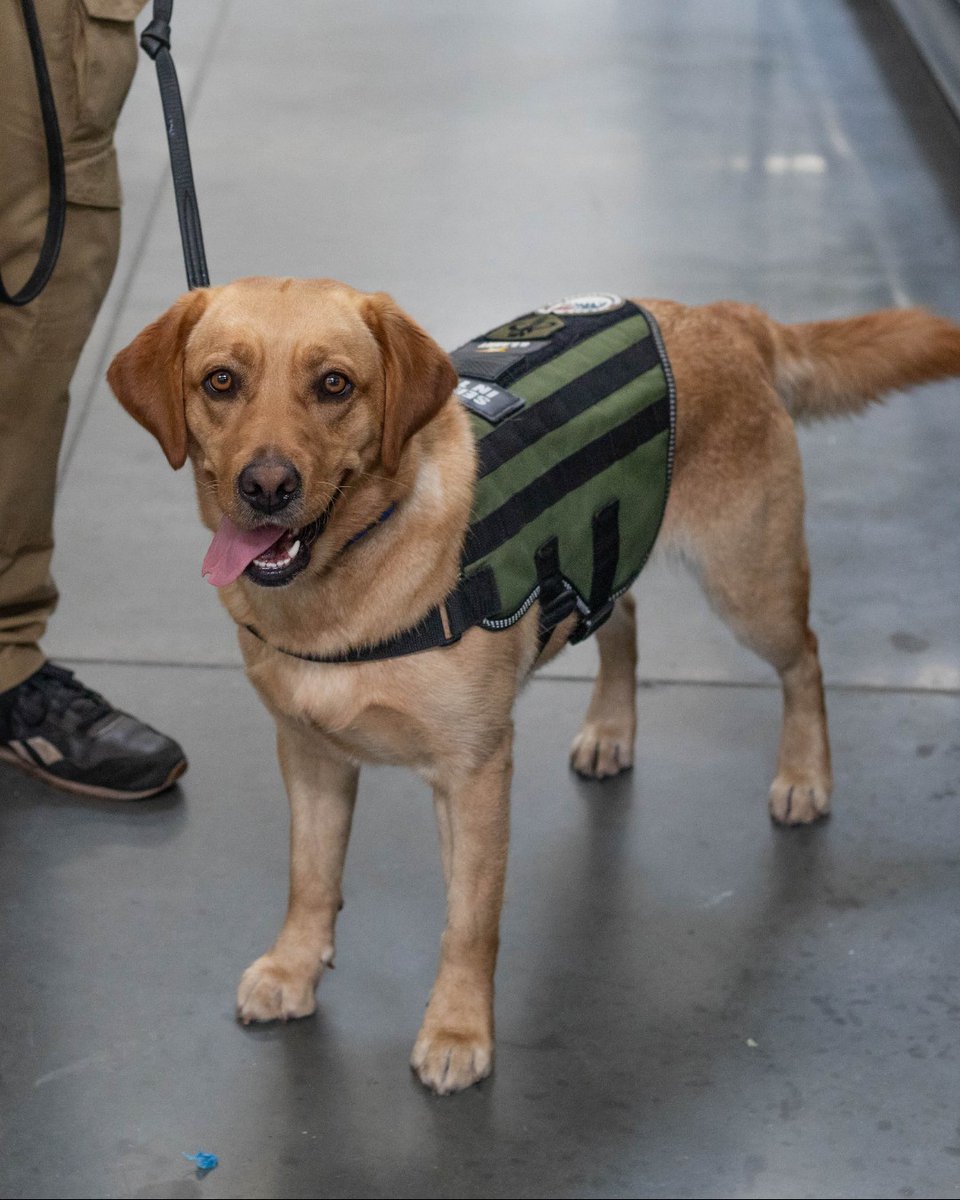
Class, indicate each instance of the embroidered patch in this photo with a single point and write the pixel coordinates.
(532, 325)
(487, 399)
(507, 347)
(584, 306)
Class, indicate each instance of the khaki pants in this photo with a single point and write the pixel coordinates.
(91, 55)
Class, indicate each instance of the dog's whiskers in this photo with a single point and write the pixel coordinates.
(385, 479)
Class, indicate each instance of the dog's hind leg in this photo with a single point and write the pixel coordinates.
(769, 614)
(322, 789)
(604, 745)
(749, 552)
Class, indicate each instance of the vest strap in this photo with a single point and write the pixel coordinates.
(606, 556)
(557, 598)
(474, 598)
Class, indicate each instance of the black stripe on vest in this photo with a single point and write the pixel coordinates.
(564, 477)
(569, 401)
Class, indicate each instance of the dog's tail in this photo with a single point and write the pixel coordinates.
(837, 368)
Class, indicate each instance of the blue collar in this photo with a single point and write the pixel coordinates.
(384, 516)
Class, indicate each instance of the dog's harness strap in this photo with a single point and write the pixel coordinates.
(606, 552)
(443, 625)
(155, 42)
(557, 598)
(606, 559)
(57, 211)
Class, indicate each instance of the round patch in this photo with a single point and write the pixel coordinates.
(584, 306)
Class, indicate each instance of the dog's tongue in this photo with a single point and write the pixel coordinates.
(233, 550)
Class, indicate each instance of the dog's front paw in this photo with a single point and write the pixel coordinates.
(449, 1061)
(795, 800)
(602, 749)
(269, 991)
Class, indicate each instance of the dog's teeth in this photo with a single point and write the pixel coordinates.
(292, 552)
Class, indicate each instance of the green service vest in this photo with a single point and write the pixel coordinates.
(573, 409)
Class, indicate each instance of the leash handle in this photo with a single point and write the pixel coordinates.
(155, 42)
(57, 210)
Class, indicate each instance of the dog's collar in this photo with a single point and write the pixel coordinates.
(384, 516)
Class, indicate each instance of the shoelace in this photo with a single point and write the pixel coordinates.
(55, 690)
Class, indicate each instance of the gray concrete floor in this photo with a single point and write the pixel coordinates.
(690, 1002)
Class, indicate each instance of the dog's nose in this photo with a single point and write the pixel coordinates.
(269, 484)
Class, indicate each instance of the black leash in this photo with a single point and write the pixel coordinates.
(57, 210)
(155, 41)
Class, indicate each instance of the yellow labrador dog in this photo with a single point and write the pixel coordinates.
(310, 410)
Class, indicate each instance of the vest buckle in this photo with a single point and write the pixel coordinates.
(558, 607)
(590, 624)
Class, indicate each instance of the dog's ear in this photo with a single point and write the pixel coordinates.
(147, 376)
(418, 376)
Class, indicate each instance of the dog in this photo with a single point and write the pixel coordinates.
(326, 440)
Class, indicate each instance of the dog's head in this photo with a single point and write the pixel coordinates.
(286, 394)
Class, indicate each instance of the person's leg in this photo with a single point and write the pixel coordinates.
(39, 347)
(90, 63)
(90, 66)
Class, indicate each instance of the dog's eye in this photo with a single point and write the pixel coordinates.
(335, 385)
(220, 383)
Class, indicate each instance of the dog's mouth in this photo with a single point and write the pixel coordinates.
(269, 555)
(287, 556)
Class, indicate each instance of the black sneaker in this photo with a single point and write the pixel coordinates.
(54, 727)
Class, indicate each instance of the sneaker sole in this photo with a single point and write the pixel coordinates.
(86, 789)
